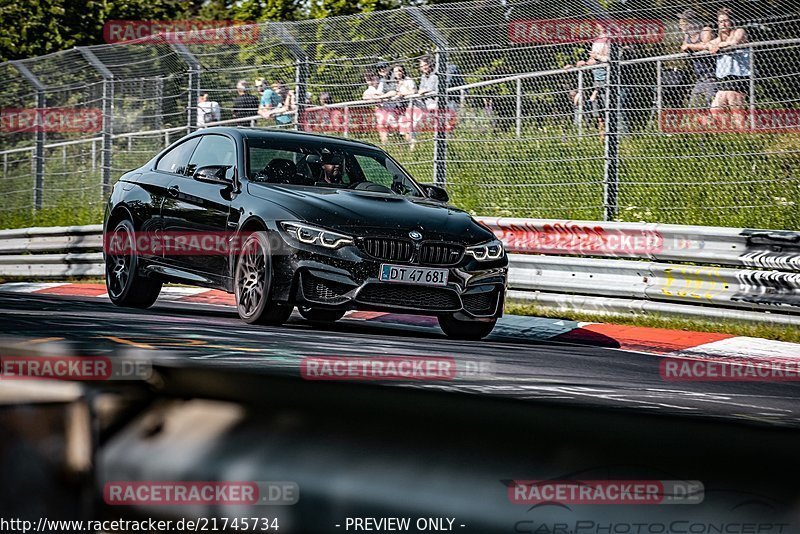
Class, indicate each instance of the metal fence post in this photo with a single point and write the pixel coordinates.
(659, 91)
(41, 105)
(519, 108)
(159, 97)
(611, 136)
(279, 30)
(752, 89)
(581, 103)
(440, 138)
(108, 116)
(193, 86)
(301, 81)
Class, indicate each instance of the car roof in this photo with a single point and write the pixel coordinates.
(286, 136)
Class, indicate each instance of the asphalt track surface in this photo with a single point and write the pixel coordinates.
(527, 370)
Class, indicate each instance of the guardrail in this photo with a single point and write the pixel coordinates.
(630, 268)
(585, 266)
(55, 252)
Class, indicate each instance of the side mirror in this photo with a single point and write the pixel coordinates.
(435, 192)
(213, 174)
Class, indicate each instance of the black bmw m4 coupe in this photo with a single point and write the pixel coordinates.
(288, 219)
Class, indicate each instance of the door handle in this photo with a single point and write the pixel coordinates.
(174, 191)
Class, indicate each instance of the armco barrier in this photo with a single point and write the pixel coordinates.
(598, 267)
(56, 252)
(630, 268)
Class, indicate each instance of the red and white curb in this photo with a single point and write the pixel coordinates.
(671, 343)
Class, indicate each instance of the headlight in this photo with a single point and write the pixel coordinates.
(311, 235)
(493, 250)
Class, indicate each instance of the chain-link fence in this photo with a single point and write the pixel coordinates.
(641, 111)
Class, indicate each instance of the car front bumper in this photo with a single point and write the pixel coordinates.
(347, 279)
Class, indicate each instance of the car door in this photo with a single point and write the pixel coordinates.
(153, 184)
(197, 212)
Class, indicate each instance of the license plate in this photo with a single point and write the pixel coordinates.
(413, 275)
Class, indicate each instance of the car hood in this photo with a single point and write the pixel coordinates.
(361, 213)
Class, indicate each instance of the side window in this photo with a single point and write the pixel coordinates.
(374, 171)
(260, 157)
(386, 174)
(213, 150)
(175, 160)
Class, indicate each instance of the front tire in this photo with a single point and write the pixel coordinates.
(253, 284)
(470, 330)
(124, 284)
(318, 315)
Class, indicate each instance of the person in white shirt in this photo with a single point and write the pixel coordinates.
(385, 119)
(733, 70)
(406, 87)
(207, 110)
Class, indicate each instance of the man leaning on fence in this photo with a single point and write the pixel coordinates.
(207, 110)
(245, 104)
(696, 37)
(284, 112)
(270, 100)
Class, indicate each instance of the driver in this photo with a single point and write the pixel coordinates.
(332, 168)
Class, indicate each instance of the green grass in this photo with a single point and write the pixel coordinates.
(736, 328)
(715, 179)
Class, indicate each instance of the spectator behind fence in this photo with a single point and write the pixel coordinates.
(419, 108)
(598, 54)
(696, 37)
(270, 100)
(428, 83)
(245, 104)
(733, 69)
(390, 110)
(284, 112)
(385, 118)
(207, 110)
(405, 88)
(386, 83)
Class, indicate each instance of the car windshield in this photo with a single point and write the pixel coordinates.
(328, 165)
